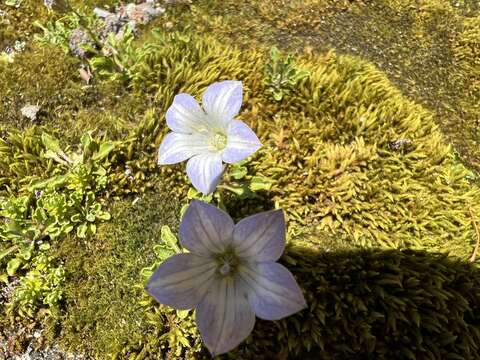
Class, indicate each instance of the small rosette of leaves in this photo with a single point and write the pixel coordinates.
(282, 75)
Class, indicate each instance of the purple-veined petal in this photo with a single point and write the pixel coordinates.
(273, 292)
(222, 102)
(182, 280)
(185, 115)
(177, 147)
(224, 316)
(205, 171)
(205, 229)
(260, 237)
(241, 142)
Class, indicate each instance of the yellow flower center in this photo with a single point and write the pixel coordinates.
(218, 141)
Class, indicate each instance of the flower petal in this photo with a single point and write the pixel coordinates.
(273, 292)
(260, 237)
(241, 142)
(205, 171)
(177, 147)
(224, 316)
(185, 115)
(205, 229)
(182, 280)
(222, 101)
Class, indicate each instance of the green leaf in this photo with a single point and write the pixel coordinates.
(82, 230)
(90, 217)
(162, 252)
(86, 140)
(238, 172)
(104, 215)
(13, 266)
(105, 149)
(260, 183)
(44, 246)
(182, 314)
(54, 181)
(8, 251)
(26, 252)
(51, 143)
(169, 238)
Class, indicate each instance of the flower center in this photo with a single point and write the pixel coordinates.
(227, 263)
(218, 141)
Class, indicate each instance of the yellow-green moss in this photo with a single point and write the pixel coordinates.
(328, 147)
(413, 43)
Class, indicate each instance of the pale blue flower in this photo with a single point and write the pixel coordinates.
(207, 136)
(230, 274)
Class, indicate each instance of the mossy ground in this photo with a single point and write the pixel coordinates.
(399, 70)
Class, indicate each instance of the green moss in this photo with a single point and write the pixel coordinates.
(330, 146)
(43, 76)
(103, 315)
(375, 304)
(17, 23)
(414, 44)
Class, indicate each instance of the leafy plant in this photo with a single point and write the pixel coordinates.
(41, 285)
(57, 205)
(58, 31)
(282, 75)
(14, 3)
(117, 56)
(243, 184)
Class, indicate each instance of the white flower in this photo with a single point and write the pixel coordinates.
(209, 136)
(230, 274)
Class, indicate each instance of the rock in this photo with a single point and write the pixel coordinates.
(78, 39)
(30, 111)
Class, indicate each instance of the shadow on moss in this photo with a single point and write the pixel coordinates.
(375, 304)
(362, 303)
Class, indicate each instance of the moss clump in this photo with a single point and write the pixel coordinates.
(414, 44)
(44, 76)
(331, 148)
(103, 315)
(375, 304)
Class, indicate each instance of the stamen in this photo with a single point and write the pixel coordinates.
(219, 141)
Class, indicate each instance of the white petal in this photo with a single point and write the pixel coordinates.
(182, 280)
(185, 115)
(273, 292)
(205, 229)
(205, 171)
(222, 102)
(260, 237)
(224, 316)
(241, 142)
(177, 147)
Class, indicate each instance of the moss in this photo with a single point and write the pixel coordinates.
(375, 304)
(328, 147)
(17, 23)
(103, 315)
(43, 76)
(414, 44)
(362, 303)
